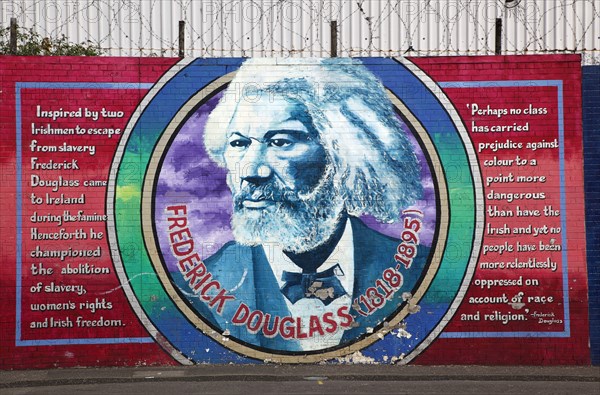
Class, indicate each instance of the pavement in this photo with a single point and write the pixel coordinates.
(345, 378)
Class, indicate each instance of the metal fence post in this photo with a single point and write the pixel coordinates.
(498, 49)
(334, 38)
(13, 36)
(181, 39)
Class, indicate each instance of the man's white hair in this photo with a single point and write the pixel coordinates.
(374, 166)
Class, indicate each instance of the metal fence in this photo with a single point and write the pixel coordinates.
(266, 28)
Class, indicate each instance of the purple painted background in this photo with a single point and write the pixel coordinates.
(188, 176)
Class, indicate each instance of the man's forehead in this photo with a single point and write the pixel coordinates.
(265, 115)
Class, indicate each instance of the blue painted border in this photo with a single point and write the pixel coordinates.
(563, 204)
(19, 195)
(591, 154)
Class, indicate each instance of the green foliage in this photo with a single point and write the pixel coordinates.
(30, 43)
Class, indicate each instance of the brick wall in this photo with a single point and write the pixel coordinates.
(117, 245)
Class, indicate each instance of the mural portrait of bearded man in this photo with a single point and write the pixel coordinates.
(312, 146)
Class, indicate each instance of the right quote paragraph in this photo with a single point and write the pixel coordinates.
(518, 282)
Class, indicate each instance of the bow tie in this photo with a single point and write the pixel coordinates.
(324, 285)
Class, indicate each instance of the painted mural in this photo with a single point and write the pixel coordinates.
(285, 262)
(368, 210)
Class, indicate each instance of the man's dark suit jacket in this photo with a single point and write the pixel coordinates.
(246, 274)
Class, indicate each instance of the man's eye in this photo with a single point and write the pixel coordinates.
(280, 143)
(239, 143)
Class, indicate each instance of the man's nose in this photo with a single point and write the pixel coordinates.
(255, 166)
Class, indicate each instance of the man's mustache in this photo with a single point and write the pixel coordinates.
(270, 190)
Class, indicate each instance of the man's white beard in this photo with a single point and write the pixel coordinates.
(298, 222)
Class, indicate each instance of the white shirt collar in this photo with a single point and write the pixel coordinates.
(343, 254)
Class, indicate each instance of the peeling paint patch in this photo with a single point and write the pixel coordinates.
(401, 331)
(413, 307)
(357, 358)
(397, 359)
